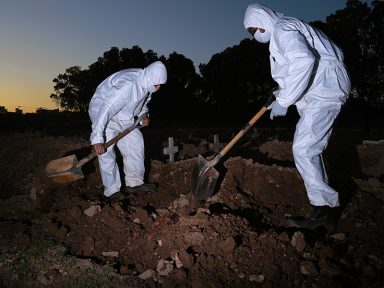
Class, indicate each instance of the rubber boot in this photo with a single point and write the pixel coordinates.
(148, 187)
(323, 216)
(115, 197)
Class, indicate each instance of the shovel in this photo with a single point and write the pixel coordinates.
(68, 169)
(204, 175)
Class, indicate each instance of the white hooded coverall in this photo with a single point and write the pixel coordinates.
(311, 75)
(115, 103)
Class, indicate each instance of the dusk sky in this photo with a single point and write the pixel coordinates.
(40, 39)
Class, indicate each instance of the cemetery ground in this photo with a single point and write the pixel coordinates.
(66, 235)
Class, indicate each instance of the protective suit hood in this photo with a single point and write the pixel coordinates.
(153, 74)
(257, 15)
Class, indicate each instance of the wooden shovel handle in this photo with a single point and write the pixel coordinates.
(248, 125)
(243, 131)
(135, 125)
(86, 159)
(92, 155)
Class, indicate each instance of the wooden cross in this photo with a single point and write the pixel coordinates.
(216, 145)
(203, 142)
(171, 150)
(255, 133)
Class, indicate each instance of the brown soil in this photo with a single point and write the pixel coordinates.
(61, 235)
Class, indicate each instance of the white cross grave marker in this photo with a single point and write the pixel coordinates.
(203, 142)
(255, 133)
(171, 150)
(216, 145)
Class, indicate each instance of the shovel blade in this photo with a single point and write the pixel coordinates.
(68, 176)
(203, 179)
(63, 170)
(61, 165)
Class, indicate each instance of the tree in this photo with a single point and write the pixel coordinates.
(68, 88)
(344, 27)
(74, 89)
(358, 29)
(373, 55)
(3, 109)
(237, 80)
(176, 101)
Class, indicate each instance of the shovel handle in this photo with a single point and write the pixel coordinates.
(243, 131)
(86, 159)
(135, 125)
(247, 126)
(92, 155)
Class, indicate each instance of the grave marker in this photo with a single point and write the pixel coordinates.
(203, 142)
(255, 133)
(216, 145)
(171, 150)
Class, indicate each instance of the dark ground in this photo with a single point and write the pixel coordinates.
(65, 235)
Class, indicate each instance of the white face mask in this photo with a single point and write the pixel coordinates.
(262, 37)
(152, 89)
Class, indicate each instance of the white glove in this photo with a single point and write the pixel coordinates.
(277, 110)
(276, 92)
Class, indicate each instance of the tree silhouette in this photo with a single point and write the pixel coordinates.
(68, 87)
(357, 29)
(237, 80)
(373, 55)
(344, 27)
(176, 101)
(74, 89)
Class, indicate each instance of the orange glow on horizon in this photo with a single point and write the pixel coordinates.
(27, 95)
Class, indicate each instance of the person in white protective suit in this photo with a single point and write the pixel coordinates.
(116, 102)
(309, 70)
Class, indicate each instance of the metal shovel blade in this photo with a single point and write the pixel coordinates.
(204, 176)
(68, 176)
(64, 170)
(203, 179)
(61, 164)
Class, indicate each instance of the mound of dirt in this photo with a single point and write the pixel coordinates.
(278, 150)
(167, 238)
